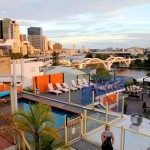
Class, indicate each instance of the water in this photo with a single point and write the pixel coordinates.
(58, 114)
(135, 73)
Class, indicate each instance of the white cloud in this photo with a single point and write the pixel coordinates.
(80, 21)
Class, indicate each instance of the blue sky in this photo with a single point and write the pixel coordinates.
(92, 23)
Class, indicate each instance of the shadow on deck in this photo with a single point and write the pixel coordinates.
(82, 145)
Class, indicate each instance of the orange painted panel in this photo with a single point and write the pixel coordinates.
(41, 82)
(111, 99)
(1, 88)
(6, 87)
(54, 78)
(19, 88)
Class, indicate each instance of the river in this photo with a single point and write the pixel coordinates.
(135, 73)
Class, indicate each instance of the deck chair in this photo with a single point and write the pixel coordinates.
(69, 87)
(81, 83)
(51, 89)
(75, 85)
(85, 82)
(58, 85)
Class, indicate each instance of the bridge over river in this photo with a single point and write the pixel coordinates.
(105, 63)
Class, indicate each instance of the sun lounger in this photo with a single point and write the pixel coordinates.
(58, 85)
(69, 87)
(75, 85)
(81, 83)
(51, 89)
(85, 82)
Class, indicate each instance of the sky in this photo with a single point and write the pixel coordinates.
(90, 23)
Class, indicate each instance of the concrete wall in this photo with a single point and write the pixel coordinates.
(30, 69)
(5, 65)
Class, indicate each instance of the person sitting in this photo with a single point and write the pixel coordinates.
(107, 138)
(145, 107)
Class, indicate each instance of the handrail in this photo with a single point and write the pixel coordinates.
(14, 140)
(117, 126)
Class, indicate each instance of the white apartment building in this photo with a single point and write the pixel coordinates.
(31, 69)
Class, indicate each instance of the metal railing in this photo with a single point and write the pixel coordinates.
(91, 129)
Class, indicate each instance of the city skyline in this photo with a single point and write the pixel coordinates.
(92, 23)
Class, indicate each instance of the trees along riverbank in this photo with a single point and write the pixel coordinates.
(145, 64)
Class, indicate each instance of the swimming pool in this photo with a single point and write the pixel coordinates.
(58, 114)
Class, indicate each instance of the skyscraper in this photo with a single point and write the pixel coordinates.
(34, 31)
(10, 33)
(22, 37)
(44, 44)
(35, 41)
(50, 45)
(14, 31)
(6, 27)
(1, 30)
(9, 29)
(35, 37)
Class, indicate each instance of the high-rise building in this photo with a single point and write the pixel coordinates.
(9, 29)
(1, 30)
(74, 50)
(34, 31)
(14, 31)
(50, 45)
(35, 41)
(35, 37)
(6, 28)
(44, 44)
(39, 42)
(57, 46)
(22, 37)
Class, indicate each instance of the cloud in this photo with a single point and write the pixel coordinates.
(89, 21)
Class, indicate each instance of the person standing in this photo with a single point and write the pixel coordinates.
(107, 138)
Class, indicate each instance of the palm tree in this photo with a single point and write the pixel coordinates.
(32, 123)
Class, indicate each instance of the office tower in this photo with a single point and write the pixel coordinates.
(14, 31)
(23, 49)
(44, 44)
(6, 28)
(35, 41)
(22, 37)
(34, 31)
(1, 30)
(35, 37)
(50, 45)
(57, 46)
(73, 51)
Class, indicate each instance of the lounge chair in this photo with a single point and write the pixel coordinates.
(75, 85)
(85, 82)
(81, 84)
(69, 87)
(51, 89)
(58, 85)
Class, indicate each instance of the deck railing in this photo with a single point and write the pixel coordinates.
(91, 129)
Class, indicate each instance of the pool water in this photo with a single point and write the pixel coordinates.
(58, 114)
